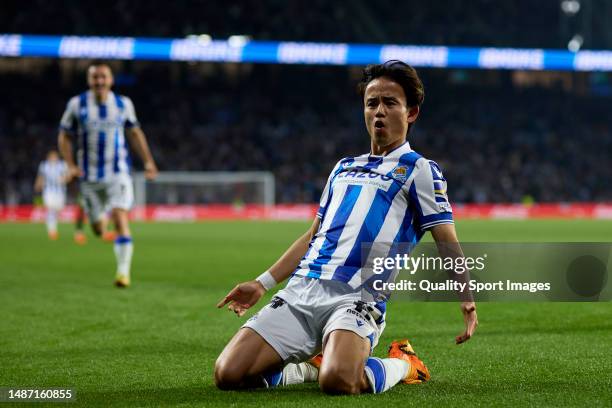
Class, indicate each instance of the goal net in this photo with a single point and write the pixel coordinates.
(190, 188)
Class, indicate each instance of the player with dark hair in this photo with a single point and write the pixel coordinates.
(101, 121)
(389, 195)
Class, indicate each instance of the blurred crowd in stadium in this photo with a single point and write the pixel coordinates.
(500, 136)
(496, 141)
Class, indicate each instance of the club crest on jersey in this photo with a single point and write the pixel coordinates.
(400, 173)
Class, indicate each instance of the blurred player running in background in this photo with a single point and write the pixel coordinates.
(51, 181)
(99, 121)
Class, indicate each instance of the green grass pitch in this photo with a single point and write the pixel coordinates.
(63, 324)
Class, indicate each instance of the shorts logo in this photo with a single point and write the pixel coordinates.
(359, 312)
(276, 302)
(400, 173)
(351, 311)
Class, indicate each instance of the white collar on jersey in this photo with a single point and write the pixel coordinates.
(92, 98)
(403, 147)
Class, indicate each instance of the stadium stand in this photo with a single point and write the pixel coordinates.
(497, 140)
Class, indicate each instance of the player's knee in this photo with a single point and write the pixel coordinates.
(336, 381)
(226, 376)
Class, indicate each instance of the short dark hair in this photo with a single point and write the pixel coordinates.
(400, 72)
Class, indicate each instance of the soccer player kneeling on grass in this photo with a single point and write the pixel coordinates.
(389, 195)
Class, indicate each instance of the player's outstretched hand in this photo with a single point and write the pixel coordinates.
(468, 309)
(150, 170)
(243, 296)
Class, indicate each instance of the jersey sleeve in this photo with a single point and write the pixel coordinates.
(326, 195)
(69, 118)
(428, 194)
(130, 114)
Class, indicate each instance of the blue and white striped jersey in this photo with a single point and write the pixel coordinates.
(100, 127)
(53, 173)
(374, 199)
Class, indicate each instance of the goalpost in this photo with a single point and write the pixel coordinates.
(182, 187)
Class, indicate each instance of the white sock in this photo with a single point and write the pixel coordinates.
(292, 374)
(51, 221)
(384, 373)
(299, 373)
(123, 254)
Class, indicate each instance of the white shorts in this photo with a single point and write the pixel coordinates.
(101, 197)
(54, 200)
(299, 318)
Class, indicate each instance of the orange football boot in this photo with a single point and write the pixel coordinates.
(109, 236)
(316, 361)
(403, 350)
(80, 238)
